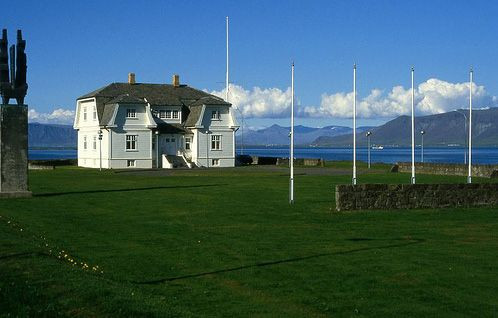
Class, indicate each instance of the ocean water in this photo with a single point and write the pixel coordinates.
(386, 155)
(52, 154)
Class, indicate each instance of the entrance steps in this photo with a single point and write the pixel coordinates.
(177, 162)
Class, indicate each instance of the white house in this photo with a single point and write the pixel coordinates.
(154, 126)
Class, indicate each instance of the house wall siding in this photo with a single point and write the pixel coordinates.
(90, 157)
(90, 107)
(144, 144)
(205, 154)
(115, 156)
(141, 119)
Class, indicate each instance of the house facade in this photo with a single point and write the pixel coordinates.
(138, 125)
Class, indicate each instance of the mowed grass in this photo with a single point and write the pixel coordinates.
(226, 243)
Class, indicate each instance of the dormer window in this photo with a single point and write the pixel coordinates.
(215, 114)
(175, 114)
(131, 113)
(165, 114)
(84, 113)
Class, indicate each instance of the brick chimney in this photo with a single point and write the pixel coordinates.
(131, 78)
(176, 80)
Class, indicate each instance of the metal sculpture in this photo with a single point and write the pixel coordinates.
(13, 85)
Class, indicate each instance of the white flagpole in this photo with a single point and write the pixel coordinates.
(227, 82)
(291, 192)
(413, 130)
(354, 125)
(469, 178)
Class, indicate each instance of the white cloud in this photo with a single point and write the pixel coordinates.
(263, 103)
(433, 96)
(58, 116)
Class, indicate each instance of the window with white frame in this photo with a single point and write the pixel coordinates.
(84, 113)
(94, 142)
(215, 162)
(187, 143)
(84, 142)
(162, 113)
(168, 114)
(131, 142)
(215, 114)
(215, 142)
(130, 163)
(131, 113)
(95, 113)
(175, 114)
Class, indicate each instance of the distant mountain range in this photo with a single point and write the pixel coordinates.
(303, 136)
(48, 135)
(446, 129)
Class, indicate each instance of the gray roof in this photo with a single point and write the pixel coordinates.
(208, 100)
(155, 94)
(193, 116)
(165, 128)
(126, 99)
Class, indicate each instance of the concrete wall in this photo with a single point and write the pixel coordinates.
(13, 148)
(416, 196)
(486, 171)
(260, 160)
(301, 162)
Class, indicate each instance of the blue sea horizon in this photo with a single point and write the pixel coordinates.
(386, 155)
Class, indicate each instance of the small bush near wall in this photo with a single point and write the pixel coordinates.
(54, 162)
(243, 160)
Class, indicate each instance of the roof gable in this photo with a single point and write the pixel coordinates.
(155, 95)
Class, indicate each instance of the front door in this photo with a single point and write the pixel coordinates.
(169, 145)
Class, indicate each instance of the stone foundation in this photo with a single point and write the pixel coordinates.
(14, 151)
(260, 160)
(301, 162)
(485, 171)
(416, 196)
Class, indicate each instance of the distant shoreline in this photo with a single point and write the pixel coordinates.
(52, 148)
(360, 146)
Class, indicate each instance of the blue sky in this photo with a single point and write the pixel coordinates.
(74, 47)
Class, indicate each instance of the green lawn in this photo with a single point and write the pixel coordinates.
(227, 243)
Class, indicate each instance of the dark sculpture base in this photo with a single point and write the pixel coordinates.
(14, 151)
(15, 195)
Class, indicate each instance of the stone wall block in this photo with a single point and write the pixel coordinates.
(14, 150)
(408, 196)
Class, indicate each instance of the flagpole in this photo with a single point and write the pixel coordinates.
(469, 178)
(227, 83)
(291, 159)
(354, 125)
(413, 130)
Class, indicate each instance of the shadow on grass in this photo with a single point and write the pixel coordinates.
(127, 190)
(291, 260)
